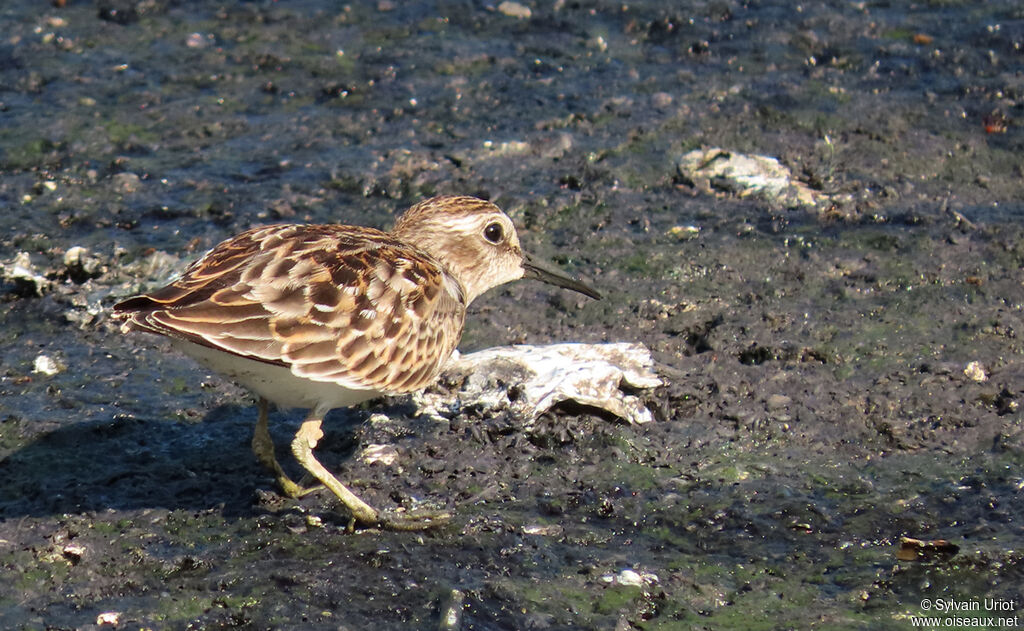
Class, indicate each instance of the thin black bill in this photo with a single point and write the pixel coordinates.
(554, 276)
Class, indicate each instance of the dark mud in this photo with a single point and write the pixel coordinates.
(816, 405)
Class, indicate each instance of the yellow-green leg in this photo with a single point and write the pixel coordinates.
(263, 447)
(306, 440)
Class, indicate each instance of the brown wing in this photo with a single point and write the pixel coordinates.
(335, 304)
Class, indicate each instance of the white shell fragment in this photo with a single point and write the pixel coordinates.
(46, 365)
(384, 454)
(975, 372)
(80, 260)
(21, 270)
(529, 380)
(515, 10)
(631, 578)
(108, 617)
(73, 552)
(745, 176)
(543, 530)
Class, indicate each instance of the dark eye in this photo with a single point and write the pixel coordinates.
(494, 232)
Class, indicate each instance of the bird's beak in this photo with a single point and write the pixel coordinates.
(532, 268)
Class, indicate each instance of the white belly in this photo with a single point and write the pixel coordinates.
(275, 383)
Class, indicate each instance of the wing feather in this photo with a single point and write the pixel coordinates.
(341, 304)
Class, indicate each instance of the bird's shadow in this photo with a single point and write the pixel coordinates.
(127, 463)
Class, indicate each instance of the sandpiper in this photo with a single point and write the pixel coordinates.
(326, 316)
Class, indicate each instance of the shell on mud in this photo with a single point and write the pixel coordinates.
(529, 380)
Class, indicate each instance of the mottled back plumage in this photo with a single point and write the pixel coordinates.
(346, 304)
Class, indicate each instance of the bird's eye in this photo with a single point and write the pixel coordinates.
(494, 232)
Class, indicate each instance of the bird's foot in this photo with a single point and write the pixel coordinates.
(362, 513)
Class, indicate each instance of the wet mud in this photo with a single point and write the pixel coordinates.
(837, 376)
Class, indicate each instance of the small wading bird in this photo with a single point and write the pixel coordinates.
(326, 316)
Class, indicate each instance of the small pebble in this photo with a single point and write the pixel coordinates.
(44, 364)
(74, 255)
(778, 402)
(509, 147)
(631, 578)
(78, 261)
(515, 10)
(197, 40)
(126, 182)
(684, 233)
(544, 531)
(384, 454)
(661, 99)
(451, 617)
(975, 372)
(73, 552)
(108, 617)
(598, 42)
